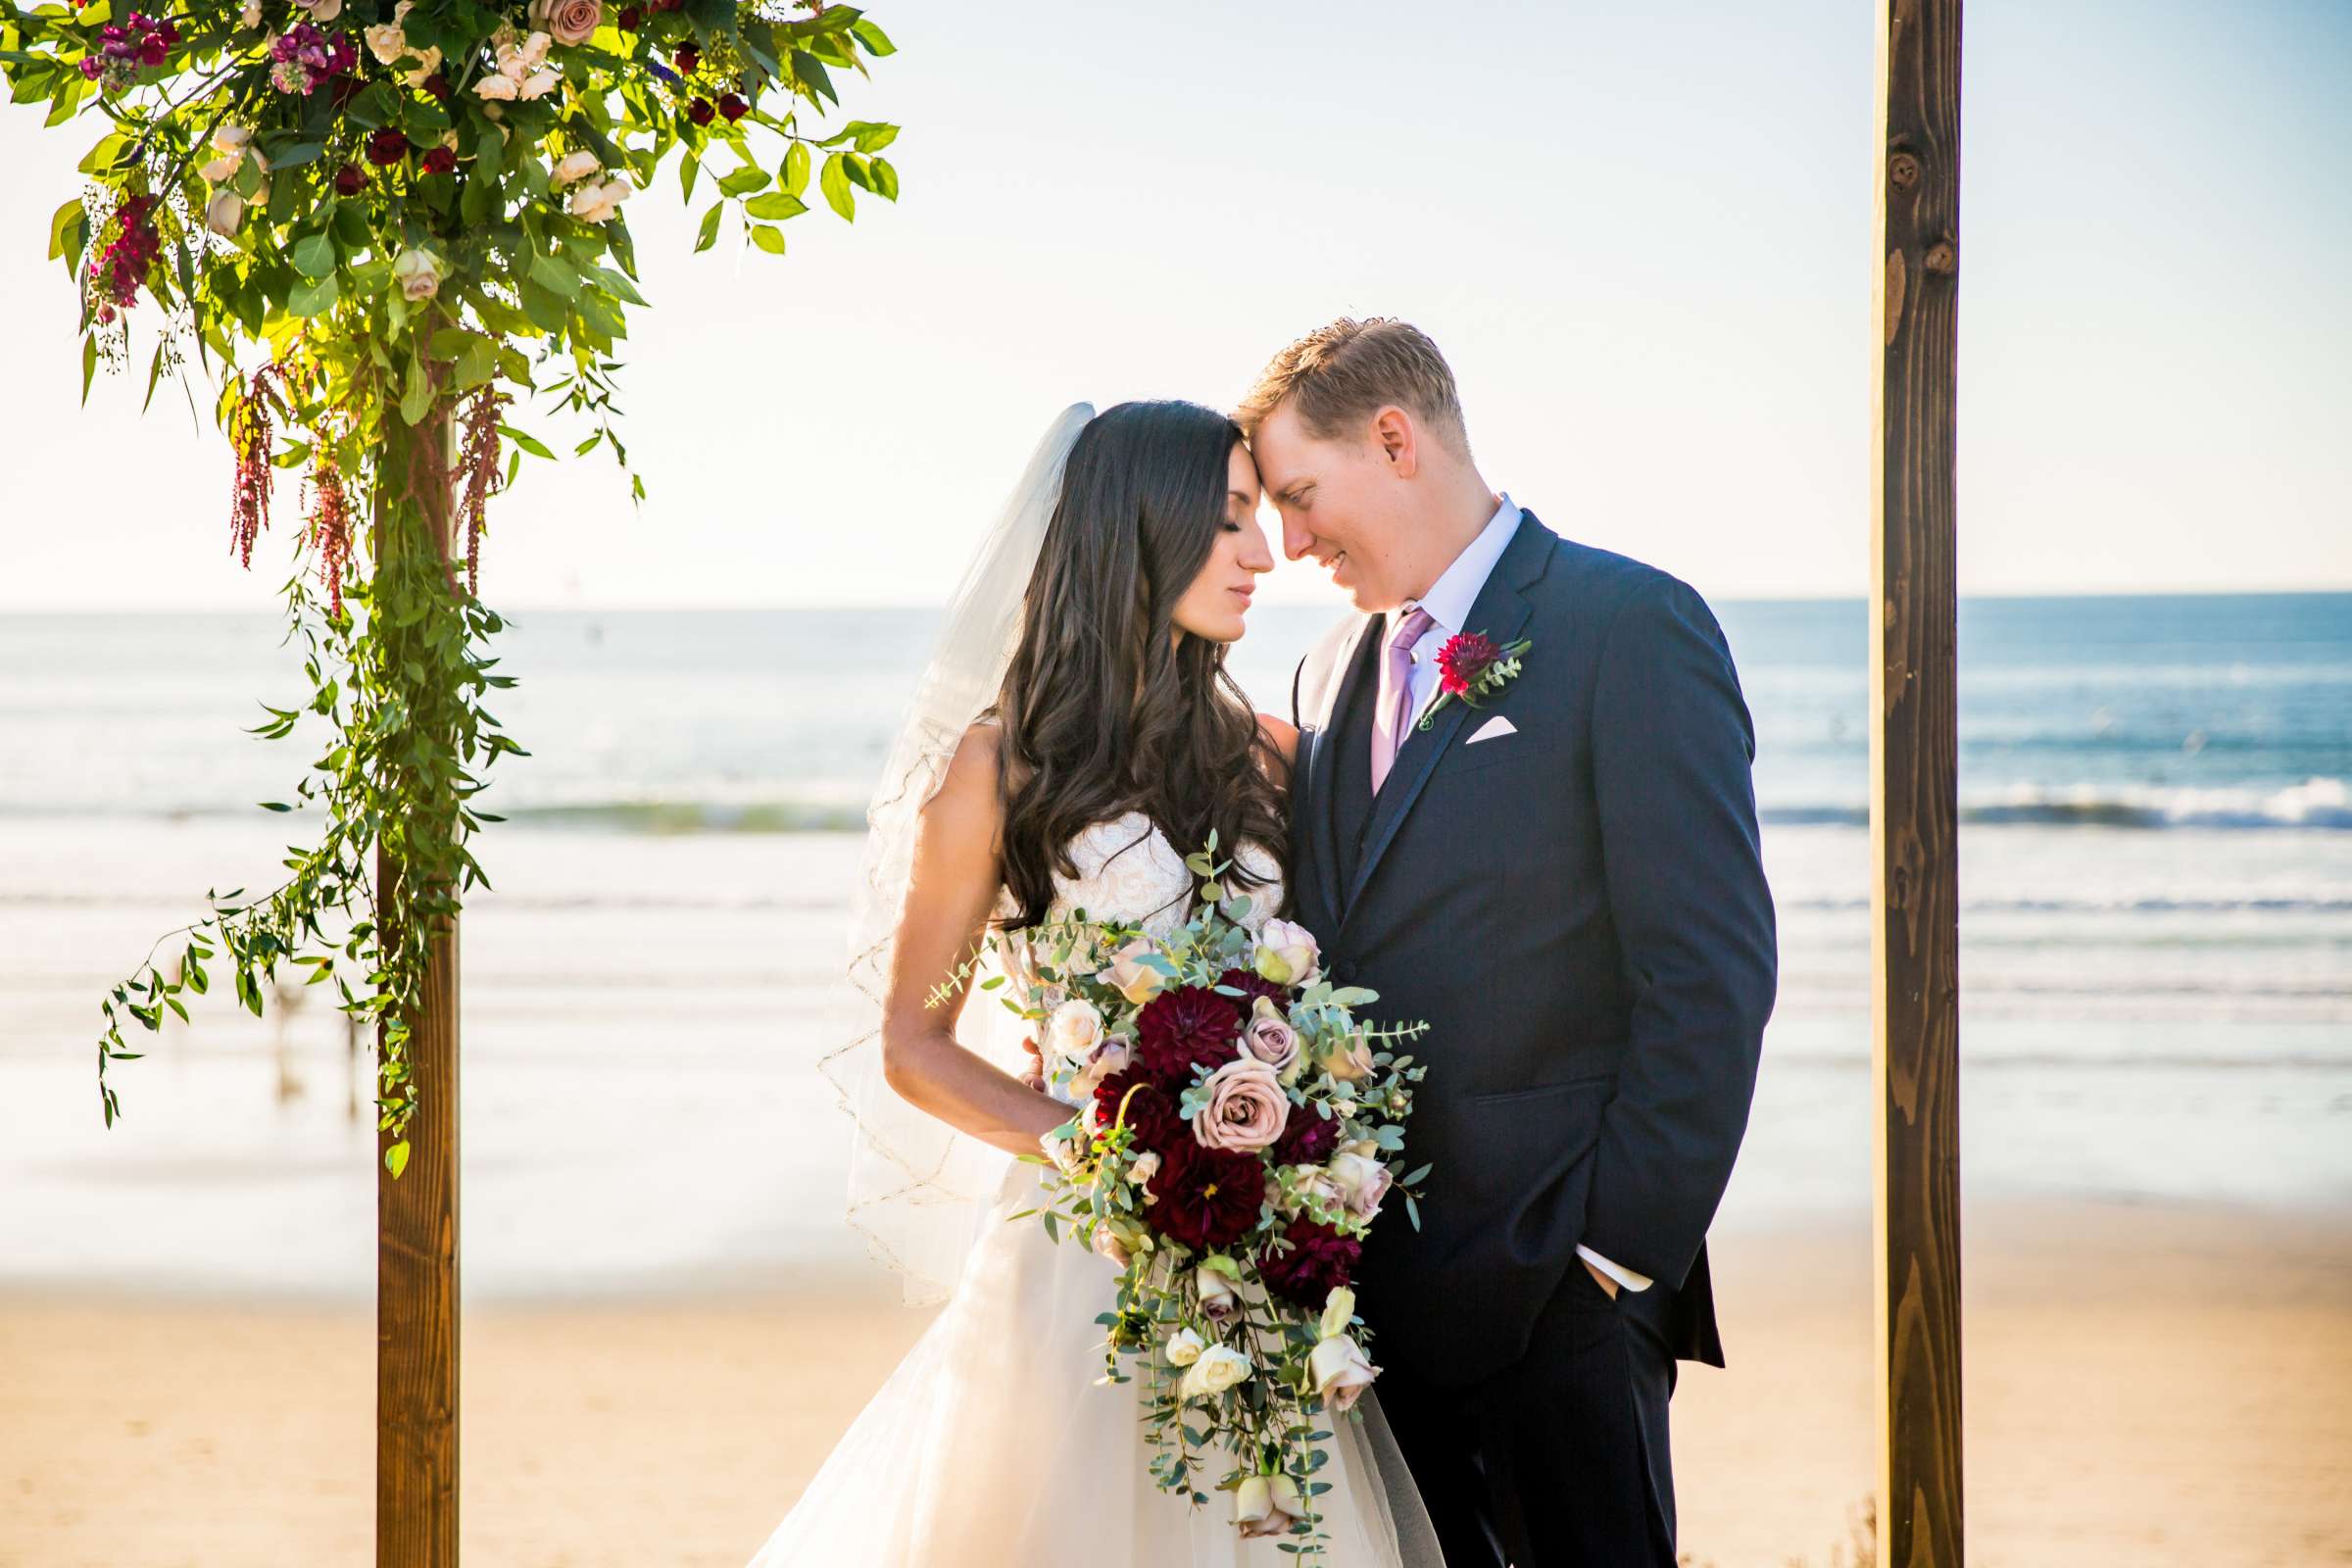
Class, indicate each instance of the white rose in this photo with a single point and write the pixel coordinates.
(251, 15)
(576, 165)
(1342, 1372)
(1220, 1301)
(1184, 1347)
(493, 86)
(1112, 1055)
(1072, 1030)
(1134, 980)
(223, 169)
(539, 83)
(596, 201)
(417, 273)
(1266, 1505)
(1288, 954)
(224, 212)
(232, 139)
(1338, 1310)
(1359, 1178)
(386, 41)
(321, 10)
(1219, 1367)
(428, 61)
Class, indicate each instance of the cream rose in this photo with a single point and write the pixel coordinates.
(320, 10)
(1359, 1179)
(1338, 1310)
(417, 273)
(574, 166)
(1141, 1172)
(1118, 1241)
(1269, 1037)
(1130, 977)
(224, 212)
(1350, 1062)
(1185, 1346)
(1072, 1032)
(1266, 1505)
(1342, 1372)
(597, 200)
(1220, 1302)
(568, 21)
(1219, 1367)
(1111, 1056)
(1288, 954)
(1246, 1106)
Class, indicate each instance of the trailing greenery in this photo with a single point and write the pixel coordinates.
(375, 225)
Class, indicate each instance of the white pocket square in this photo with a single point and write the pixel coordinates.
(1498, 725)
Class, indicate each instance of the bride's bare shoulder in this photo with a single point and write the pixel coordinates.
(970, 788)
(1280, 734)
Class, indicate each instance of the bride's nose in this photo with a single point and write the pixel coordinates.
(1257, 555)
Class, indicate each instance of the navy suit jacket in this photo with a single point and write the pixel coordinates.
(1578, 910)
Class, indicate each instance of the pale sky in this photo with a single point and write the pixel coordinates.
(1642, 236)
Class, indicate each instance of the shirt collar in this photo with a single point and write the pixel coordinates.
(1451, 598)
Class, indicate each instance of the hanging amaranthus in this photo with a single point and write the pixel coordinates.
(478, 457)
(250, 436)
(328, 508)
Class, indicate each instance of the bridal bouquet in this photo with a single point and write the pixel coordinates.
(1240, 1130)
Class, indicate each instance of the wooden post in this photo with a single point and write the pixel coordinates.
(1914, 757)
(416, 1243)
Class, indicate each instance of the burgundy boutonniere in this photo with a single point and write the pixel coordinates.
(1471, 666)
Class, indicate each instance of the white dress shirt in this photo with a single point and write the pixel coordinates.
(1448, 603)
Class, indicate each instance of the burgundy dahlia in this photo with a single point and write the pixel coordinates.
(687, 59)
(631, 17)
(699, 110)
(1252, 985)
(1188, 1027)
(1205, 1198)
(1307, 1140)
(349, 179)
(733, 107)
(1150, 1111)
(1463, 659)
(437, 85)
(440, 160)
(1320, 1261)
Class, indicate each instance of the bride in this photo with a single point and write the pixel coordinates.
(1075, 733)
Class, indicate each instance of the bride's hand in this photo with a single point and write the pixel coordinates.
(1035, 1077)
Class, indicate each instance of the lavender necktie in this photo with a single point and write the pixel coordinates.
(1396, 711)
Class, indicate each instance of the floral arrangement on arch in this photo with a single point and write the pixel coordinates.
(1240, 1131)
(377, 224)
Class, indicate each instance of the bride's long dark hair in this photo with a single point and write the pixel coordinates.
(1103, 711)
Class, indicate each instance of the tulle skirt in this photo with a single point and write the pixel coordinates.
(992, 1444)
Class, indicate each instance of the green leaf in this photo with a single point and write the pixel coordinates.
(796, 168)
(813, 74)
(768, 238)
(527, 442)
(743, 182)
(618, 282)
(599, 309)
(417, 398)
(314, 257)
(886, 179)
(313, 298)
(296, 155)
(62, 223)
(835, 183)
(707, 235)
(545, 308)
(552, 273)
(877, 42)
(396, 1158)
(374, 107)
(776, 204)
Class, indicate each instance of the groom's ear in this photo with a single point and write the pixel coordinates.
(1396, 441)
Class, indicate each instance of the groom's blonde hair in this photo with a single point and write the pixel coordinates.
(1342, 375)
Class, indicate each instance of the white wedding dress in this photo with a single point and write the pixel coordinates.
(993, 1445)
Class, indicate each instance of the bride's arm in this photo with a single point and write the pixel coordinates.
(948, 897)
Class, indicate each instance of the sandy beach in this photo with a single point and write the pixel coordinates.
(2145, 1387)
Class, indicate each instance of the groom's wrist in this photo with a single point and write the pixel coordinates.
(1627, 1278)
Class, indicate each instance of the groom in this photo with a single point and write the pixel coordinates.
(1564, 881)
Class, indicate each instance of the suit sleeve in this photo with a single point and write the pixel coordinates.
(1672, 749)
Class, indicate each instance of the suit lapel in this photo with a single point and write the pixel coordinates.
(1500, 611)
(1321, 762)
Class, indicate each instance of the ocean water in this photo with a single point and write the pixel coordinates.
(2156, 950)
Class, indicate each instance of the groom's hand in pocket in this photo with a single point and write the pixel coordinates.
(1602, 1280)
